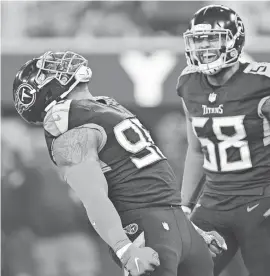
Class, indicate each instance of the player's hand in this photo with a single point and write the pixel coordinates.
(138, 261)
(214, 240)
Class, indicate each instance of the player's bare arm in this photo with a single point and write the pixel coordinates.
(193, 181)
(193, 171)
(76, 154)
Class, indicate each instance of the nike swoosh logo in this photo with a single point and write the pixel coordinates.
(249, 209)
(136, 263)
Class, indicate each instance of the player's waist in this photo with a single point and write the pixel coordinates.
(246, 187)
(126, 207)
(126, 214)
(161, 196)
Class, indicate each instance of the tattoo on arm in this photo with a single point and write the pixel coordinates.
(74, 146)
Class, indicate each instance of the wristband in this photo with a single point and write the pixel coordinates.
(122, 250)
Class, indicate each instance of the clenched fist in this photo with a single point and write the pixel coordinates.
(138, 261)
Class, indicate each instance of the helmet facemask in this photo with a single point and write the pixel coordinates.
(210, 50)
(67, 68)
(61, 66)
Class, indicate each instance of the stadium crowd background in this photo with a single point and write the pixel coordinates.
(45, 231)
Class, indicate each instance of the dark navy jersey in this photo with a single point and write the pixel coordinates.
(233, 132)
(137, 172)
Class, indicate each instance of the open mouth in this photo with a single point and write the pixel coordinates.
(208, 57)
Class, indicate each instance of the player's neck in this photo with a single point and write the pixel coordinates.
(80, 92)
(223, 76)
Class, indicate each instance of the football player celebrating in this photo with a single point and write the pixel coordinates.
(227, 105)
(109, 159)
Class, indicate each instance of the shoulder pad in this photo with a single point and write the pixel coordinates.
(258, 68)
(57, 119)
(183, 77)
(108, 100)
(101, 98)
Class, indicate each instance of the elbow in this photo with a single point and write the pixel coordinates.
(94, 200)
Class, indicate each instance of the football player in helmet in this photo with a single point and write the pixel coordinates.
(46, 80)
(227, 106)
(110, 160)
(214, 40)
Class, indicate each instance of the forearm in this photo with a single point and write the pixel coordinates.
(192, 178)
(76, 154)
(106, 221)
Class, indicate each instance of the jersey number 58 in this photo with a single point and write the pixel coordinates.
(218, 151)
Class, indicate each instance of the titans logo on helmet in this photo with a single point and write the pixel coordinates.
(25, 97)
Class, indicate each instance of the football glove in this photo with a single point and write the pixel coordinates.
(138, 261)
(214, 240)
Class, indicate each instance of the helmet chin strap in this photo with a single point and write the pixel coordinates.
(222, 62)
(225, 64)
(83, 74)
(213, 67)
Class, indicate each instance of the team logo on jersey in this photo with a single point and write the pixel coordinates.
(25, 97)
(212, 110)
(212, 97)
(131, 229)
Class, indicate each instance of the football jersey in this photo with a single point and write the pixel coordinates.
(137, 172)
(233, 132)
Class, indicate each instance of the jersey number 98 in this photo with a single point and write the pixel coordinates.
(134, 138)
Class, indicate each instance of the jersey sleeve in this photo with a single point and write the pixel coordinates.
(57, 122)
(263, 70)
(57, 119)
(258, 68)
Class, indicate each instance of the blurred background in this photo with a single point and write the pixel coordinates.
(136, 52)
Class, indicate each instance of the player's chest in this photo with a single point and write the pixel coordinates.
(206, 102)
(225, 112)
